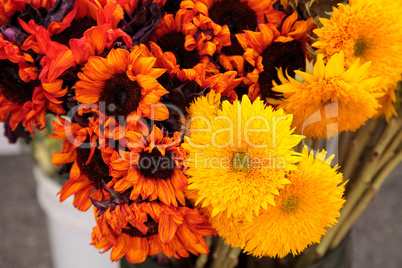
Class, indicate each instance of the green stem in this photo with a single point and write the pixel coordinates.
(233, 258)
(357, 146)
(367, 198)
(360, 185)
(220, 254)
(307, 257)
(390, 151)
(203, 259)
(344, 146)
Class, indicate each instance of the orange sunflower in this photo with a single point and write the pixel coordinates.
(9, 7)
(95, 25)
(153, 167)
(88, 171)
(238, 16)
(23, 98)
(174, 45)
(222, 83)
(209, 36)
(125, 83)
(269, 48)
(137, 230)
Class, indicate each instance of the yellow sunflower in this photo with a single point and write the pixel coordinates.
(229, 228)
(207, 106)
(331, 99)
(303, 211)
(372, 31)
(238, 161)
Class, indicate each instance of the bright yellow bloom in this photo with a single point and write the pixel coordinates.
(372, 31)
(237, 162)
(303, 211)
(331, 99)
(205, 107)
(229, 228)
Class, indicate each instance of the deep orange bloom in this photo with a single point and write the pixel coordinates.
(141, 229)
(9, 7)
(58, 57)
(220, 20)
(153, 167)
(209, 36)
(22, 97)
(55, 41)
(174, 46)
(124, 82)
(265, 48)
(88, 170)
(259, 8)
(222, 83)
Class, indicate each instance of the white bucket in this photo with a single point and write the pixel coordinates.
(69, 229)
(7, 148)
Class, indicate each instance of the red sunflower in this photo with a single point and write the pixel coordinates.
(174, 46)
(88, 171)
(88, 29)
(137, 230)
(269, 48)
(125, 83)
(227, 18)
(222, 83)
(9, 7)
(153, 167)
(23, 98)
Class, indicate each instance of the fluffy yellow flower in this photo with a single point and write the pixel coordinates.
(229, 228)
(331, 99)
(303, 211)
(372, 31)
(237, 162)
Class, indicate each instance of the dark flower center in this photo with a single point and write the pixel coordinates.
(11, 85)
(234, 49)
(172, 6)
(287, 55)
(289, 204)
(238, 16)
(134, 232)
(241, 161)
(154, 165)
(121, 95)
(174, 42)
(96, 170)
(360, 48)
(76, 30)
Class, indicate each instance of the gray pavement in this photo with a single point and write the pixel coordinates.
(377, 236)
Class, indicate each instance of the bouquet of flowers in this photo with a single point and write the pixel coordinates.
(195, 129)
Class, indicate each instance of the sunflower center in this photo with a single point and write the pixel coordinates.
(134, 232)
(174, 42)
(154, 165)
(11, 85)
(121, 95)
(360, 48)
(234, 49)
(289, 204)
(172, 6)
(238, 16)
(76, 30)
(287, 55)
(96, 170)
(241, 161)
